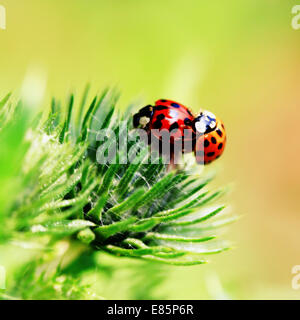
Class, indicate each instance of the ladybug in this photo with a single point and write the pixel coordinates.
(205, 132)
(210, 137)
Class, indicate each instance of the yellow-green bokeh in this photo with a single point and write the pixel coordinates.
(239, 58)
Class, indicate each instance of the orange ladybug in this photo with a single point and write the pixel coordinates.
(210, 137)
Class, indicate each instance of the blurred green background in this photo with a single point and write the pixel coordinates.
(238, 58)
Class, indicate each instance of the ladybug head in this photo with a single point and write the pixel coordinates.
(143, 117)
(205, 122)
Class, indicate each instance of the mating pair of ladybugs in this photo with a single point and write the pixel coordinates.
(205, 131)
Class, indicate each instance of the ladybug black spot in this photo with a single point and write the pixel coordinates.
(220, 133)
(175, 105)
(213, 140)
(220, 146)
(206, 143)
(189, 112)
(174, 126)
(159, 108)
(187, 122)
(210, 154)
(160, 117)
(157, 124)
(163, 100)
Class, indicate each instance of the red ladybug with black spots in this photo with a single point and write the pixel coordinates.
(206, 132)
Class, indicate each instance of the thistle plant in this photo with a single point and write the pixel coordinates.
(56, 198)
